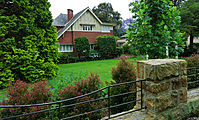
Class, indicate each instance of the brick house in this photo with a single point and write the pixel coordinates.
(84, 23)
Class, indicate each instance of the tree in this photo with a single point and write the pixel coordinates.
(125, 25)
(82, 46)
(177, 2)
(27, 41)
(157, 24)
(190, 19)
(105, 12)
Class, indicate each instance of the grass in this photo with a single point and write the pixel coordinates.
(68, 73)
(101, 67)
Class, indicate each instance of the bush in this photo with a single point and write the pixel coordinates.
(123, 72)
(82, 46)
(119, 51)
(65, 58)
(106, 46)
(126, 48)
(22, 93)
(92, 83)
(193, 61)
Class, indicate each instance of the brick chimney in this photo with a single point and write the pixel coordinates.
(70, 14)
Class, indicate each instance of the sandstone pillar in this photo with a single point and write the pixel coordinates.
(165, 86)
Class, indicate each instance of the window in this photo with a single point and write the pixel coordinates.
(87, 27)
(107, 28)
(65, 48)
(92, 46)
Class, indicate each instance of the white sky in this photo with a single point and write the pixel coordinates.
(61, 6)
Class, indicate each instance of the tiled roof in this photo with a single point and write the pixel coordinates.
(71, 21)
(60, 20)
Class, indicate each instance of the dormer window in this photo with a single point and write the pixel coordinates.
(87, 27)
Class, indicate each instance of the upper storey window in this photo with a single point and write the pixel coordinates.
(87, 28)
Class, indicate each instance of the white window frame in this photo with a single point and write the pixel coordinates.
(87, 27)
(106, 28)
(65, 48)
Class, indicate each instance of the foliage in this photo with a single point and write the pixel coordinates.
(27, 41)
(177, 2)
(156, 27)
(188, 51)
(105, 12)
(123, 72)
(65, 58)
(193, 61)
(190, 19)
(82, 46)
(88, 85)
(107, 46)
(126, 48)
(22, 93)
(119, 51)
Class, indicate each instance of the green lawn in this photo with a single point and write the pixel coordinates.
(80, 70)
(68, 73)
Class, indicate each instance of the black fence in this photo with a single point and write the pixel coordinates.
(58, 106)
(193, 77)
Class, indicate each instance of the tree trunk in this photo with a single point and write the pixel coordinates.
(191, 41)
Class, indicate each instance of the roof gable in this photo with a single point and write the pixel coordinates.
(75, 18)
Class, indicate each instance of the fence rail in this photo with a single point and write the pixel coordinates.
(58, 105)
(193, 77)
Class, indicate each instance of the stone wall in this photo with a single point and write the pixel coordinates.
(166, 83)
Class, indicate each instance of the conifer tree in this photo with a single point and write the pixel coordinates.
(27, 41)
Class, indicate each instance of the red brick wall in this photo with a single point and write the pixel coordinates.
(58, 28)
(90, 35)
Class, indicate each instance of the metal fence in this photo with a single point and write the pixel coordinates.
(59, 105)
(193, 77)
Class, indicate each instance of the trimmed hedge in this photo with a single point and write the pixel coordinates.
(106, 46)
(82, 46)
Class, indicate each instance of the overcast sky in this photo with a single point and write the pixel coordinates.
(61, 6)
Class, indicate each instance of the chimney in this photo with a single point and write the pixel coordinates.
(70, 14)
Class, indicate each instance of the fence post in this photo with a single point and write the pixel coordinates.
(109, 109)
(165, 86)
(59, 110)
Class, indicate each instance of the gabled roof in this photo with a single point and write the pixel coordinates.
(74, 19)
(60, 20)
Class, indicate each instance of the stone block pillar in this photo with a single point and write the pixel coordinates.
(165, 86)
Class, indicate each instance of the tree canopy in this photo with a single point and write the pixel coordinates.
(126, 24)
(190, 19)
(105, 13)
(157, 26)
(27, 41)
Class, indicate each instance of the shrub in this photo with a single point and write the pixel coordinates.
(106, 46)
(123, 72)
(22, 93)
(193, 61)
(119, 51)
(126, 48)
(92, 83)
(82, 46)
